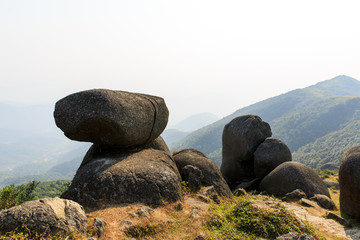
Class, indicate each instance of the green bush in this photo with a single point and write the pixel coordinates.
(11, 196)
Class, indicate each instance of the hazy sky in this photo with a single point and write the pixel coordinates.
(201, 56)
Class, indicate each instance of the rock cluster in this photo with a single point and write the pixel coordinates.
(253, 160)
(128, 162)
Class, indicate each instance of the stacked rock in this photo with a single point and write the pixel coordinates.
(252, 158)
(128, 162)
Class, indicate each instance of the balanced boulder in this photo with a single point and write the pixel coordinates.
(211, 173)
(270, 154)
(47, 217)
(114, 176)
(240, 139)
(111, 117)
(290, 176)
(349, 180)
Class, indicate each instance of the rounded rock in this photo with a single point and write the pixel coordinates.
(290, 176)
(349, 181)
(110, 117)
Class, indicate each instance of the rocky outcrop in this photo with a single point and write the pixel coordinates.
(290, 176)
(211, 173)
(240, 139)
(129, 162)
(47, 217)
(270, 154)
(147, 176)
(111, 117)
(349, 180)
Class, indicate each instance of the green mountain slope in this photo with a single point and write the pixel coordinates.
(298, 117)
(330, 147)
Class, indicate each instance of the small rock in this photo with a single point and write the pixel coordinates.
(324, 201)
(239, 192)
(195, 213)
(294, 196)
(307, 203)
(249, 185)
(99, 226)
(202, 198)
(179, 207)
(288, 236)
(133, 215)
(211, 193)
(193, 176)
(339, 219)
(332, 184)
(200, 236)
(144, 212)
(169, 222)
(126, 223)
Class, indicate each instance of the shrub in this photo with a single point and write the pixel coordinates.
(11, 196)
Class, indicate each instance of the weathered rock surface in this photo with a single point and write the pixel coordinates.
(290, 176)
(349, 180)
(111, 117)
(240, 139)
(193, 176)
(270, 154)
(294, 196)
(114, 176)
(105, 151)
(324, 201)
(47, 216)
(211, 173)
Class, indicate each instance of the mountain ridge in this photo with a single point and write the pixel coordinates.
(279, 112)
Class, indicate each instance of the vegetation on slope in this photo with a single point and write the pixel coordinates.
(330, 147)
(298, 118)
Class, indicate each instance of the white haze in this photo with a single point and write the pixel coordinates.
(200, 55)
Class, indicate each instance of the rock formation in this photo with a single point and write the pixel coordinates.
(240, 139)
(349, 180)
(129, 162)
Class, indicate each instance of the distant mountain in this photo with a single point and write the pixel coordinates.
(299, 117)
(195, 122)
(173, 135)
(31, 144)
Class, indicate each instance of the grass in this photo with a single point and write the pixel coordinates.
(241, 219)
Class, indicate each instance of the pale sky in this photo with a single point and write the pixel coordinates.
(199, 55)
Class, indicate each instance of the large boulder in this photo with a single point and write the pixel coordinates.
(240, 139)
(290, 176)
(211, 173)
(349, 180)
(111, 117)
(47, 217)
(270, 154)
(104, 151)
(115, 176)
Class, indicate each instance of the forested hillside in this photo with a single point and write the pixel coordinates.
(299, 118)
